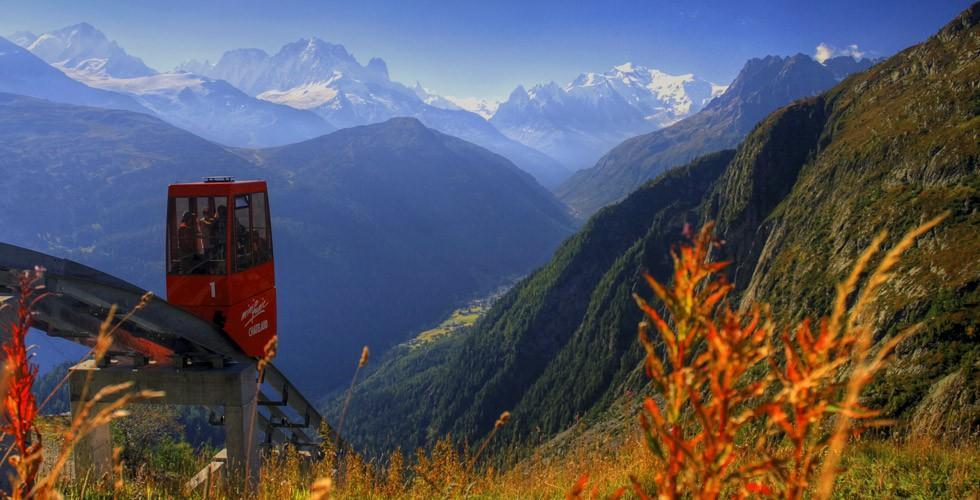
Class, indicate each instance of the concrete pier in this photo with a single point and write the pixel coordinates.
(233, 387)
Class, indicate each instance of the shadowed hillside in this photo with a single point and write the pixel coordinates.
(796, 203)
(379, 230)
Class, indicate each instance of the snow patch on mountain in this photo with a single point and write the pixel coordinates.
(81, 47)
(22, 38)
(302, 62)
(579, 121)
(306, 96)
(23, 73)
(661, 97)
(213, 109)
(433, 99)
(208, 107)
(483, 107)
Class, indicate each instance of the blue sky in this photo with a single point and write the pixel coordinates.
(486, 48)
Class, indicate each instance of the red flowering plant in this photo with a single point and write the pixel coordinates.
(722, 375)
(19, 404)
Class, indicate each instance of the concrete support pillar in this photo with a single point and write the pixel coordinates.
(93, 452)
(241, 443)
(234, 387)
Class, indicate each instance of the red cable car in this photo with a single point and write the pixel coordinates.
(219, 257)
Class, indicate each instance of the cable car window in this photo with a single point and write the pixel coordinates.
(243, 233)
(261, 240)
(252, 242)
(196, 235)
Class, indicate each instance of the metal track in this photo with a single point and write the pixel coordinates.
(79, 301)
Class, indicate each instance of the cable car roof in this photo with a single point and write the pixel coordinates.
(222, 186)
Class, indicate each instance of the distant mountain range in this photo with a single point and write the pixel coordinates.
(378, 229)
(762, 86)
(210, 108)
(249, 98)
(214, 109)
(578, 122)
(83, 48)
(315, 75)
(23, 73)
(795, 204)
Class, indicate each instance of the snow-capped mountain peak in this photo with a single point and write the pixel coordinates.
(82, 47)
(302, 63)
(22, 38)
(626, 67)
(306, 96)
(483, 107)
(578, 121)
(660, 97)
(316, 51)
(433, 99)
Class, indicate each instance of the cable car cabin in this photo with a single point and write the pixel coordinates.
(219, 257)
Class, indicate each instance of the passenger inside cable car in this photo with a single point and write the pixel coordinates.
(199, 243)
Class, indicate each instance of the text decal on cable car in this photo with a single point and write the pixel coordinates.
(253, 311)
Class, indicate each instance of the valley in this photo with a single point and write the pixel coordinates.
(561, 346)
(726, 269)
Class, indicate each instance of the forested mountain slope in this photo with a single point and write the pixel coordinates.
(797, 202)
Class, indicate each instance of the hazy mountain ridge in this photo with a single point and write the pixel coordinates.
(214, 109)
(795, 204)
(312, 74)
(23, 73)
(301, 62)
(210, 108)
(81, 47)
(378, 229)
(762, 86)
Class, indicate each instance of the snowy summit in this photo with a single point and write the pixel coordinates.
(579, 121)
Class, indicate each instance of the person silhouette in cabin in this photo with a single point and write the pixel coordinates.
(219, 231)
(188, 242)
(207, 236)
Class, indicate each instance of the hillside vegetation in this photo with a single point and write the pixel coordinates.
(800, 198)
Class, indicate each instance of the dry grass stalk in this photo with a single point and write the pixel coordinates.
(117, 472)
(578, 490)
(110, 400)
(143, 302)
(443, 471)
(103, 407)
(501, 421)
(365, 354)
(862, 369)
(321, 489)
(394, 476)
(268, 353)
